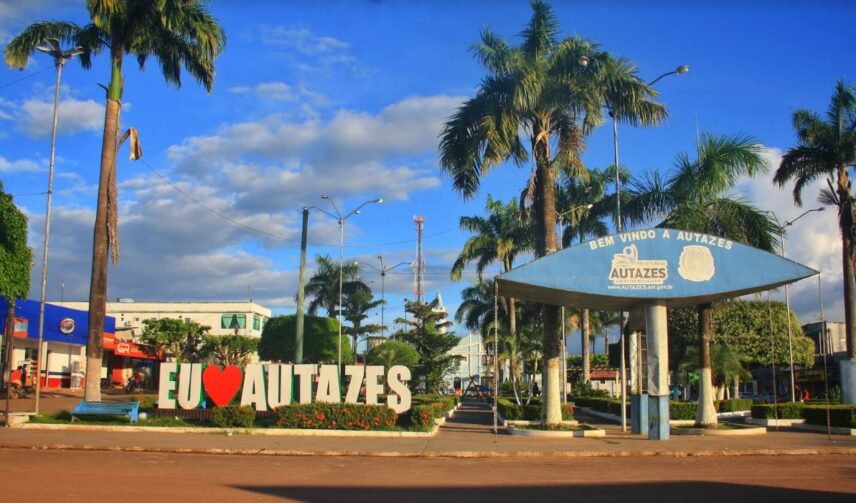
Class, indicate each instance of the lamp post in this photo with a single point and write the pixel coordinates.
(788, 294)
(341, 219)
(679, 70)
(60, 57)
(382, 270)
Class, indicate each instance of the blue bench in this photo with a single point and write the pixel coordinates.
(130, 409)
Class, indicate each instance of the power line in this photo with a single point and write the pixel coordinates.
(21, 79)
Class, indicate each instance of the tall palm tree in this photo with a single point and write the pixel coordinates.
(323, 286)
(178, 33)
(500, 237)
(695, 197)
(827, 148)
(536, 103)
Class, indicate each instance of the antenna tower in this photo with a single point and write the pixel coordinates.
(419, 266)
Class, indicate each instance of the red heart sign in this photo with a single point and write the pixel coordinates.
(222, 385)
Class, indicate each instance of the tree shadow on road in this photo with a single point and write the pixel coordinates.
(679, 492)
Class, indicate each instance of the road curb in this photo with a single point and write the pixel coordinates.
(439, 454)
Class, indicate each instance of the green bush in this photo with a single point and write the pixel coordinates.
(682, 410)
(510, 411)
(441, 403)
(335, 416)
(233, 416)
(842, 416)
(422, 417)
(787, 410)
(607, 405)
(734, 405)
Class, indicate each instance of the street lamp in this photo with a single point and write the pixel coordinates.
(60, 57)
(341, 219)
(383, 269)
(677, 71)
(787, 291)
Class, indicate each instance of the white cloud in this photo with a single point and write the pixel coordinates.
(35, 117)
(813, 240)
(275, 163)
(19, 166)
(302, 40)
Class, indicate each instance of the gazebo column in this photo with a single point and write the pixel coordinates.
(658, 370)
(638, 401)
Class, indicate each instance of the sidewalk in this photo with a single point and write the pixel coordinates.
(467, 434)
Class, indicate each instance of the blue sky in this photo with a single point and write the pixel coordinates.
(347, 98)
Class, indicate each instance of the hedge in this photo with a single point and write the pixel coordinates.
(335, 416)
(509, 410)
(677, 410)
(842, 416)
(234, 416)
(734, 405)
(785, 410)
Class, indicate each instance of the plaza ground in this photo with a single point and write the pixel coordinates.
(464, 461)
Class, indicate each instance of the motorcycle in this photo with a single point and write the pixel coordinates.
(134, 385)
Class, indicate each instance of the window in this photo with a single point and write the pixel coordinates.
(233, 321)
(257, 323)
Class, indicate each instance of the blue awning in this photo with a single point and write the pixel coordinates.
(54, 315)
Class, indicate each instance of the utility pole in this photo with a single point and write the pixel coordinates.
(301, 283)
(419, 287)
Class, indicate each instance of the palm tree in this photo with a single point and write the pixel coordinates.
(695, 197)
(178, 33)
(827, 148)
(582, 204)
(323, 286)
(537, 96)
(500, 237)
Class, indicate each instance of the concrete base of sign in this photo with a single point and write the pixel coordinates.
(658, 417)
(639, 414)
(848, 380)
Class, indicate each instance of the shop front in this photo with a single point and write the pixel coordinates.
(123, 359)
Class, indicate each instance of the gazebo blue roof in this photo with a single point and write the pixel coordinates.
(621, 271)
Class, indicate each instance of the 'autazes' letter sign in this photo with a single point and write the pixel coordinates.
(273, 385)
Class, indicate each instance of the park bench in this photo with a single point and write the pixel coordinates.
(130, 409)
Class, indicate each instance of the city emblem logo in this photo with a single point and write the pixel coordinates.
(628, 269)
(696, 263)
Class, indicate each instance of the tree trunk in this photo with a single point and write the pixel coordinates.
(705, 412)
(845, 223)
(585, 336)
(98, 281)
(736, 393)
(545, 244)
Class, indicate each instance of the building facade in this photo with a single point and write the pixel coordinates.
(245, 318)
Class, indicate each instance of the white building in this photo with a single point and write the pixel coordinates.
(471, 359)
(225, 318)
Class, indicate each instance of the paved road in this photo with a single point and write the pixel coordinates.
(71, 476)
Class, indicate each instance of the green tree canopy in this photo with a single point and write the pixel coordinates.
(745, 326)
(180, 339)
(323, 286)
(426, 332)
(319, 340)
(16, 258)
(392, 353)
(229, 349)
